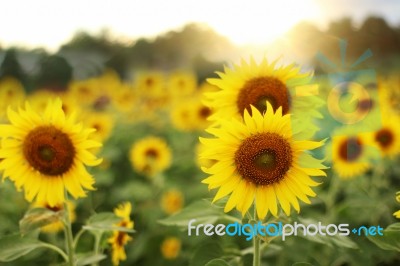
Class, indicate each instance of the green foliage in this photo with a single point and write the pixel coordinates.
(203, 211)
(15, 246)
(390, 239)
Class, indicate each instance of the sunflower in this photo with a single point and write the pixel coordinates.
(387, 138)
(46, 154)
(172, 201)
(351, 153)
(119, 238)
(150, 156)
(125, 99)
(250, 84)
(259, 160)
(85, 91)
(182, 116)
(170, 248)
(56, 225)
(397, 214)
(201, 115)
(151, 84)
(11, 94)
(190, 115)
(182, 84)
(103, 123)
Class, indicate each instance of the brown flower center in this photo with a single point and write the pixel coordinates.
(264, 159)
(55, 208)
(121, 239)
(151, 153)
(49, 150)
(350, 149)
(365, 105)
(257, 91)
(204, 112)
(384, 137)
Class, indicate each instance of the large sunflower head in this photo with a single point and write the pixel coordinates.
(46, 154)
(150, 156)
(259, 161)
(252, 84)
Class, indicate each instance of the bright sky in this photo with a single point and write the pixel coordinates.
(49, 23)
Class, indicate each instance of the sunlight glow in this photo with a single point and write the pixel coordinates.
(49, 23)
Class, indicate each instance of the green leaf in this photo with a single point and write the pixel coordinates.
(89, 258)
(105, 221)
(205, 253)
(217, 262)
(15, 246)
(38, 217)
(203, 211)
(390, 239)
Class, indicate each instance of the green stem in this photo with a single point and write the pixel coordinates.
(256, 245)
(97, 240)
(56, 249)
(77, 237)
(68, 236)
(334, 188)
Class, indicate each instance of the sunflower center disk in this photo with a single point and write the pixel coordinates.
(49, 150)
(263, 159)
(258, 91)
(350, 149)
(384, 137)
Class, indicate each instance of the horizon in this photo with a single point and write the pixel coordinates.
(155, 18)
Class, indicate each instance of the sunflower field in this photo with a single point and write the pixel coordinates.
(256, 162)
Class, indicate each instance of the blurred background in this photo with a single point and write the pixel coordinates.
(86, 37)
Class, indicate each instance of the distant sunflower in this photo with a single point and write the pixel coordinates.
(350, 153)
(172, 201)
(190, 115)
(252, 84)
(182, 116)
(201, 115)
(389, 95)
(151, 84)
(170, 248)
(150, 156)
(85, 91)
(125, 99)
(182, 84)
(46, 154)
(11, 94)
(259, 160)
(397, 214)
(103, 123)
(119, 239)
(387, 138)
